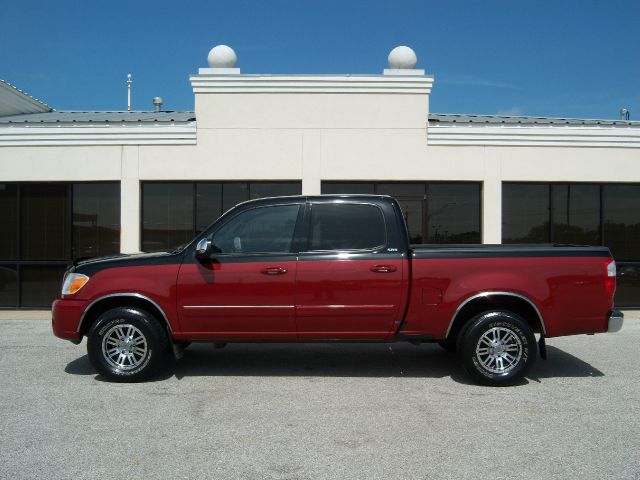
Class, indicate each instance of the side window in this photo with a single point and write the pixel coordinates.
(260, 230)
(346, 227)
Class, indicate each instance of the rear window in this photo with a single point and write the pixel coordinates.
(346, 227)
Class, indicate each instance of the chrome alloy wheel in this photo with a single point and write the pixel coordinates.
(499, 350)
(124, 347)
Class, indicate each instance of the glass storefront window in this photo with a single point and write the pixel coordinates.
(96, 219)
(167, 219)
(433, 212)
(45, 225)
(8, 285)
(576, 214)
(621, 216)
(9, 221)
(525, 213)
(41, 223)
(453, 213)
(173, 213)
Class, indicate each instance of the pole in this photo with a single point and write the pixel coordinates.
(129, 82)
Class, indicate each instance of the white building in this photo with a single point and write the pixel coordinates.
(91, 183)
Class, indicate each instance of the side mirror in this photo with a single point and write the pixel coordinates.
(203, 248)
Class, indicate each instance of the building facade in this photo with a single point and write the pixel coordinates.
(88, 183)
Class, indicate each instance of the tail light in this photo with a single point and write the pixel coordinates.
(610, 278)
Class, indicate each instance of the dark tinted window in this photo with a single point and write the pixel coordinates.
(8, 286)
(433, 212)
(628, 285)
(96, 219)
(264, 230)
(208, 204)
(9, 221)
(40, 284)
(525, 213)
(621, 205)
(167, 215)
(346, 227)
(168, 208)
(576, 214)
(453, 213)
(45, 215)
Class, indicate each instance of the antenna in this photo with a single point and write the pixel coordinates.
(129, 82)
(624, 114)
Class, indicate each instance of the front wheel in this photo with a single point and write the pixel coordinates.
(498, 348)
(127, 344)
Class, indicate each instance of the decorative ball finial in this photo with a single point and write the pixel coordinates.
(222, 56)
(402, 58)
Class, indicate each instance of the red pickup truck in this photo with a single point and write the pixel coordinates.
(334, 268)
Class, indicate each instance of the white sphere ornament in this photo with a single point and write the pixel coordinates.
(222, 56)
(402, 58)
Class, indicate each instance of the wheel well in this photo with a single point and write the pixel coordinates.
(101, 306)
(485, 303)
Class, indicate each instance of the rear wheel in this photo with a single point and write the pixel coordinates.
(127, 344)
(497, 348)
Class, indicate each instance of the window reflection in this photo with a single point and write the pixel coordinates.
(433, 212)
(173, 213)
(96, 219)
(525, 213)
(9, 221)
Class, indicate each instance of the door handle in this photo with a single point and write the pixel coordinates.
(274, 270)
(384, 268)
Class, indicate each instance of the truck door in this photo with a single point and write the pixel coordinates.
(349, 282)
(246, 289)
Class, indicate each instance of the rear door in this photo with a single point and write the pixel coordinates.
(350, 278)
(246, 289)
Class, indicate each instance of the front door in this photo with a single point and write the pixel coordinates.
(349, 283)
(246, 289)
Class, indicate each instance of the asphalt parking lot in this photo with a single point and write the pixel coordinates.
(319, 411)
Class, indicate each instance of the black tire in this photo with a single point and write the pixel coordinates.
(448, 346)
(127, 344)
(501, 360)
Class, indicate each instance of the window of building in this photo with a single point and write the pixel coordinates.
(346, 227)
(47, 225)
(434, 212)
(581, 214)
(259, 230)
(173, 213)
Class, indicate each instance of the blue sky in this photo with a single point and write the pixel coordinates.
(548, 58)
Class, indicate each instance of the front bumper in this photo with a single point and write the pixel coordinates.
(65, 318)
(615, 321)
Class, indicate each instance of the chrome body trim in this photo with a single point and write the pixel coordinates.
(616, 319)
(492, 293)
(237, 306)
(125, 294)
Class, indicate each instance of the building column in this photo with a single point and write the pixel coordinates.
(492, 211)
(130, 202)
(311, 158)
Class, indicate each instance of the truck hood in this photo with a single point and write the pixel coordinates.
(92, 265)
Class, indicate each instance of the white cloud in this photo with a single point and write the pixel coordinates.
(511, 112)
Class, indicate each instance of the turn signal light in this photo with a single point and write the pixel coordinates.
(610, 278)
(73, 282)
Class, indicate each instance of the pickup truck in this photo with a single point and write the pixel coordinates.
(334, 269)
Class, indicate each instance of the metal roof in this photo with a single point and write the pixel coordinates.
(166, 116)
(14, 101)
(100, 117)
(500, 120)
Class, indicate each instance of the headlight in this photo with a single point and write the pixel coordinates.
(73, 282)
